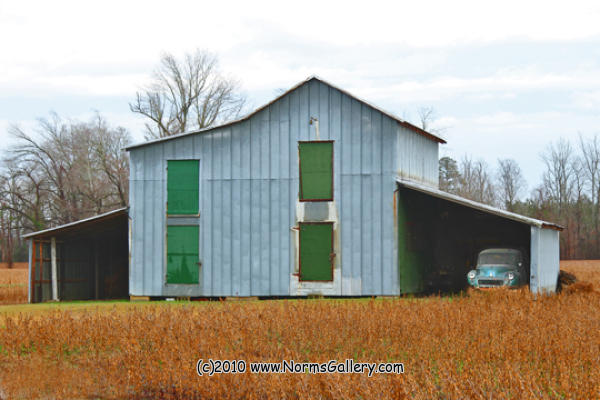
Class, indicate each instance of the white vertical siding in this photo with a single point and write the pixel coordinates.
(545, 256)
(249, 188)
(417, 157)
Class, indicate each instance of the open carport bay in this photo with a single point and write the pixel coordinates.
(91, 259)
(440, 235)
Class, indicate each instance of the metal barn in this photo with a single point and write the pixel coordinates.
(317, 192)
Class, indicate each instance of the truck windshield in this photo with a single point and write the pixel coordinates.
(510, 258)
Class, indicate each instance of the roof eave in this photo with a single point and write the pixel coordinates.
(75, 223)
(478, 206)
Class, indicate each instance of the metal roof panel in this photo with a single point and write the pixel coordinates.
(56, 229)
(478, 206)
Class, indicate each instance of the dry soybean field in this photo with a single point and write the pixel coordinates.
(501, 344)
(13, 283)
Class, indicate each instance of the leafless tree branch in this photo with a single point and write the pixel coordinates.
(187, 94)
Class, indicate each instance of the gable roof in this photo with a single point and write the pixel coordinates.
(399, 120)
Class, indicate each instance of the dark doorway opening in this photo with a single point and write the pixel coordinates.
(92, 260)
(438, 241)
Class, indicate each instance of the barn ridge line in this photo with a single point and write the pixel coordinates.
(399, 120)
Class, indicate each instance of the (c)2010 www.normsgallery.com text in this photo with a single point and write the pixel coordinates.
(211, 367)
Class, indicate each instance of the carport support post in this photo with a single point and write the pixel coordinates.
(96, 269)
(54, 273)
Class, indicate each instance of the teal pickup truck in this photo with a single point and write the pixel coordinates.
(498, 268)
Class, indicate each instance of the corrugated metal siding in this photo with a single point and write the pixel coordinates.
(249, 188)
(545, 258)
(417, 158)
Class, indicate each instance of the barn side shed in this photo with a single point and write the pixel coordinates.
(82, 260)
(440, 235)
(309, 195)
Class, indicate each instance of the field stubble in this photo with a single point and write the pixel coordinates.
(501, 344)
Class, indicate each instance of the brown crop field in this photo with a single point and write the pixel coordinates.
(16, 265)
(585, 270)
(499, 344)
(13, 285)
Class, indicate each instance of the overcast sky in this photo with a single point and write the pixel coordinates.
(505, 78)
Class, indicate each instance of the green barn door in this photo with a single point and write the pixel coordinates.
(183, 187)
(183, 211)
(316, 251)
(182, 254)
(316, 170)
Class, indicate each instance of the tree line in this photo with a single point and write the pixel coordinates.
(64, 171)
(569, 192)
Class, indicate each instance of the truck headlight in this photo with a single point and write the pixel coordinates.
(510, 276)
(471, 275)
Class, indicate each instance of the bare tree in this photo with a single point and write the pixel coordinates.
(50, 155)
(427, 116)
(66, 170)
(590, 151)
(22, 194)
(187, 94)
(112, 161)
(76, 168)
(558, 178)
(510, 182)
(579, 198)
(7, 222)
(541, 200)
(476, 182)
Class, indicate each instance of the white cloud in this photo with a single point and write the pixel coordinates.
(65, 40)
(74, 85)
(588, 100)
(501, 84)
(108, 85)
